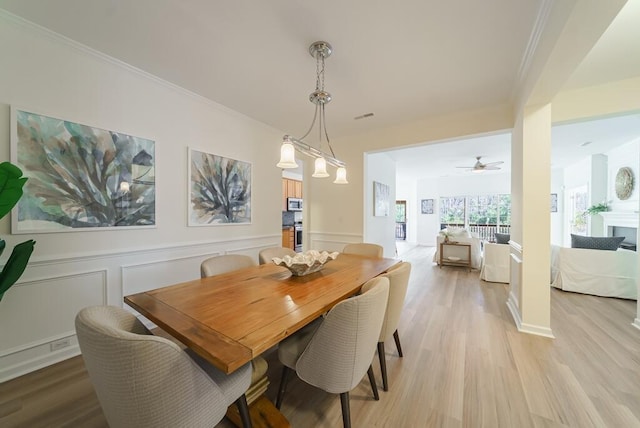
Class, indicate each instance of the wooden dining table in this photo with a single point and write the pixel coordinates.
(230, 319)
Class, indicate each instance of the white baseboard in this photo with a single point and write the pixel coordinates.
(524, 327)
(537, 330)
(39, 361)
(636, 323)
(512, 304)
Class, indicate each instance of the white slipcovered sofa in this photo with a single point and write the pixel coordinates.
(461, 235)
(597, 272)
(496, 263)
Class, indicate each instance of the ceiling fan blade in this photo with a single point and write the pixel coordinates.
(491, 168)
(466, 167)
(493, 163)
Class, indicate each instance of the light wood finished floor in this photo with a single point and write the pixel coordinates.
(465, 365)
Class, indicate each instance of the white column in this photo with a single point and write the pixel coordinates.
(529, 298)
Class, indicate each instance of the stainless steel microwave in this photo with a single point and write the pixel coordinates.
(294, 204)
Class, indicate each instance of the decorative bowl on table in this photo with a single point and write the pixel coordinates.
(305, 263)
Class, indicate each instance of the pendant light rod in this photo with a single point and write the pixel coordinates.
(311, 151)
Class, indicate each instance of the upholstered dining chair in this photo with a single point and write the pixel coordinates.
(144, 380)
(222, 264)
(398, 283)
(334, 352)
(364, 249)
(267, 254)
(228, 263)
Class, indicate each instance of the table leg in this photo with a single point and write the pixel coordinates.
(263, 412)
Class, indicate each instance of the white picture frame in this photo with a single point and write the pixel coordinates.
(381, 194)
(219, 190)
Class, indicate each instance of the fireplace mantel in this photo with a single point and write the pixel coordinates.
(620, 219)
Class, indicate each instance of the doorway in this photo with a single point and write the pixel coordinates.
(401, 220)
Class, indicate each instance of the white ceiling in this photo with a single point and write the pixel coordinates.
(400, 61)
(616, 56)
(443, 159)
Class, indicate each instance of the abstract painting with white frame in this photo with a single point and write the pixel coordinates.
(81, 177)
(220, 190)
(381, 194)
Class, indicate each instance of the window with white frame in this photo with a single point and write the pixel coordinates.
(483, 215)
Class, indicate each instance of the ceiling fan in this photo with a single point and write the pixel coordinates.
(479, 166)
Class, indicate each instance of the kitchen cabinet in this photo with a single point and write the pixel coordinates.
(290, 189)
(288, 238)
(297, 189)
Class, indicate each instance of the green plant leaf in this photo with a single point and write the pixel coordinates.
(2, 245)
(11, 182)
(16, 265)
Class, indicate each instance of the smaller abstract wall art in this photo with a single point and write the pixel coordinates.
(381, 194)
(426, 206)
(81, 177)
(220, 190)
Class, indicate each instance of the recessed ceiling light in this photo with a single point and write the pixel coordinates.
(363, 116)
(586, 143)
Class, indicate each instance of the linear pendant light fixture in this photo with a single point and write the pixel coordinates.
(320, 97)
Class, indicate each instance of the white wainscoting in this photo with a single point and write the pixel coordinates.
(140, 277)
(322, 241)
(26, 335)
(37, 314)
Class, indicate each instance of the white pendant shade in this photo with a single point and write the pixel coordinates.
(321, 168)
(287, 156)
(341, 176)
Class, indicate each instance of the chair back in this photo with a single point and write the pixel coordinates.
(364, 249)
(223, 264)
(143, 380)
(398, 284)
(267, 254)
(341, 350)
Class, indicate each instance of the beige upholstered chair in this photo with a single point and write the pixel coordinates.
(334, 352)
(144, 380)
(398, 283)
(228, 263)
(267, 254)
(364, 249)
(223, 264)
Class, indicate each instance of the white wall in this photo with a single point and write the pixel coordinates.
(627, 155)
(381, 168)
(597, 190)
(575, 175)
(557, 223)
(598, 173)
(428, 225)
(474, 184)
(68, 271)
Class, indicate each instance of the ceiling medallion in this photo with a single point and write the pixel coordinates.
(624, 183)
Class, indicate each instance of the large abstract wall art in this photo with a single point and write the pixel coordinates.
(81, 177)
